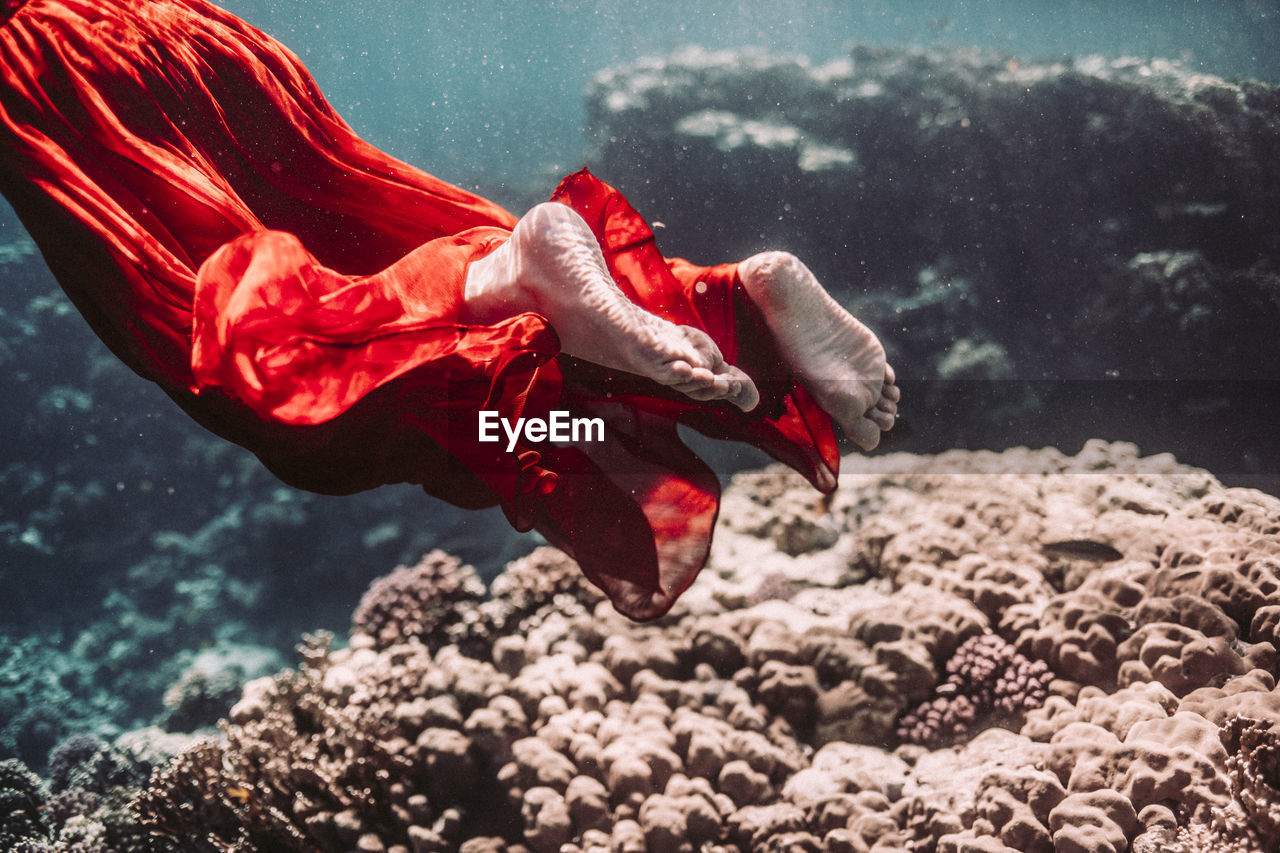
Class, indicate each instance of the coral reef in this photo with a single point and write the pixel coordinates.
(428, 601)
(45, 695)
(527, 587)
(211, 683)
(86, 807)
(1253, 765)
(22, 801)
(985, 676)
(736, 724)
(442, 602)
(952, 156)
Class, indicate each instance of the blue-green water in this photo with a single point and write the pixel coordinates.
(488, 93)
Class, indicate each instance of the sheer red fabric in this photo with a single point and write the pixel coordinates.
(296, 291)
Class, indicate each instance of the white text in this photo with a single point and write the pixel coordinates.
(559, 426)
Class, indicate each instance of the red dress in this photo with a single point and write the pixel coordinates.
(296, 291)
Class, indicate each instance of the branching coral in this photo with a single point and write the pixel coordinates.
(88, 810)
(22, 805)
(545, 578)
(943, 720)
(333, 754)
(433, 601)
(442, 602)
(985, 677)
(1253, 765)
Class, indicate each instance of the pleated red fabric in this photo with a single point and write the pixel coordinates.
(297, 291)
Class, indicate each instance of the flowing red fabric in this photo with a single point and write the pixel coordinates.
(297, 291)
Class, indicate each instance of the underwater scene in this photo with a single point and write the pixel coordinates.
(1041, 613)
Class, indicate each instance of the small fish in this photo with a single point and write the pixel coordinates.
(1082, 549)
(239, 794)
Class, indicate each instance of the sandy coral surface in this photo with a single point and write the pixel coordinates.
(1095, 632)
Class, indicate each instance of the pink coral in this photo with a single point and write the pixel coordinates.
(986, 676)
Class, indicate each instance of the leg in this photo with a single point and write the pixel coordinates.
(839, 360)
(553, 266)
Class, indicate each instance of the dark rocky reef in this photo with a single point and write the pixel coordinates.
(139, 553)
(993, 219)
(84, 808)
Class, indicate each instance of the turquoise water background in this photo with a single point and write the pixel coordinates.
(489, 93)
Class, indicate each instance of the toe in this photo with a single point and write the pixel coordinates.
(732, 385)
(702, 384)
(746, 396)
(705, 352)
(704, 376)
(864, 433)
(679, 372)
(882, 419)
(704, 393)
(688, 388)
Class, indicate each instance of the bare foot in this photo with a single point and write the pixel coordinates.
(553, 266)
(839, 360)
(744, 395)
